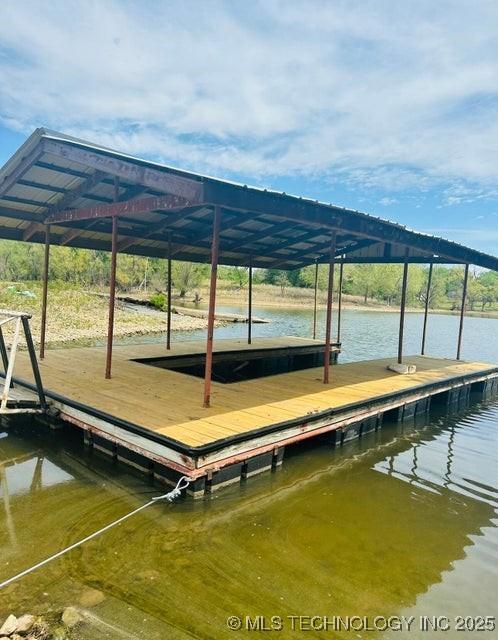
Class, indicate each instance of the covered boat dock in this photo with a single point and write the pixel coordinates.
(222, 410)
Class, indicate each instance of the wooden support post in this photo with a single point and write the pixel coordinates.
(10, 366)
(168, 320)
(328, 328)
(462, 311)
(112, 285)
(249, 305)
(212, 305)
(426, 310)
(402, 310)
(315, 300)
(339, 302)
(46, 260)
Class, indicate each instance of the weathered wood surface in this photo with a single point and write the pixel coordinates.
(168, 402)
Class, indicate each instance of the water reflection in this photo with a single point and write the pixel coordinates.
(369, 529)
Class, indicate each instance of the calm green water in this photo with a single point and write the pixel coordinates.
(401, 523)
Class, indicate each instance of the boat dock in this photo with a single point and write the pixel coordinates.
(222, 410)
(147, 414)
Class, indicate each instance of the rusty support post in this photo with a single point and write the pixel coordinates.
(212, 305)
(402, 309)
(339, 302)
(112, 285)
(315, 300)
(462, 311)
(426, 310)
(46, 261)
(168, 320)
(328, 328)
(249, 305)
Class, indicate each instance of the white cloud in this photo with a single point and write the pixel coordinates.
(386, 202)
(379, 94)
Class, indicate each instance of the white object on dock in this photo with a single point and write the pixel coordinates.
(404, 369)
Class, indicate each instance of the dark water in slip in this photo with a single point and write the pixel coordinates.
(401, 523)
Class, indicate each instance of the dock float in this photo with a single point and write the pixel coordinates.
(147, 416)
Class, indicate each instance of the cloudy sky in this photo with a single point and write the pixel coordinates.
(390, 108)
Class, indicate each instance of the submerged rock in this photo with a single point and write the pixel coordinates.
(71, 617)
(91, 598)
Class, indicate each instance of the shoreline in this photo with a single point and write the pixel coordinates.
(79, 318)
(347, 306)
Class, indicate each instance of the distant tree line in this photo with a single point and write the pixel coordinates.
(379, 282)
(382, 283)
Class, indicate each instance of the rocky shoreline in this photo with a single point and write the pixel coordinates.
(52, 626)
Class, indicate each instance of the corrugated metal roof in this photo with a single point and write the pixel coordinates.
(271, 227)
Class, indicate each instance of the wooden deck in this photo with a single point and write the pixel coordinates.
(166, 406)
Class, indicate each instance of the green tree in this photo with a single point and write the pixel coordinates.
(307, 276)
(363, 276)
(188, 275)
(475, 292)
(438, 286)
(282, 281)
(489, 281)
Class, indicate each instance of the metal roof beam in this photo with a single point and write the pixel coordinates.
(226, 223)
(129, 193)
(341, 220)
(31, 229)
(152, 229)
(144, 250)
(63, 190)
(23, 167)
(128, 170)
(39, 185)
(258, 235)
(58, 169)
(359, 244)
(297, 240)
(89, 182)
(311, 253)
(74, 233)
(134, 190)
(128, 208)
(27, 201)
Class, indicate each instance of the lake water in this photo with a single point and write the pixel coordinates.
(367, 334)
(401, 523)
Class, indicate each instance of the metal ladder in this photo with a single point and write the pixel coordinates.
(20, 399)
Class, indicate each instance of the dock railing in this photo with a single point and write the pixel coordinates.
(20, 320)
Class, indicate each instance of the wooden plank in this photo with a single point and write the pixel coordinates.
(161, 400)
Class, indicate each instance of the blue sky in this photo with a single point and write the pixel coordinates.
(390, 108)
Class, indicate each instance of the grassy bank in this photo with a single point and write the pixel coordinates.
(76, 316)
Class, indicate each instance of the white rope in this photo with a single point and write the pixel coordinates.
(182, 483)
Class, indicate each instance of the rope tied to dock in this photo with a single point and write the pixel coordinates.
(175, 493)
(172, 495)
